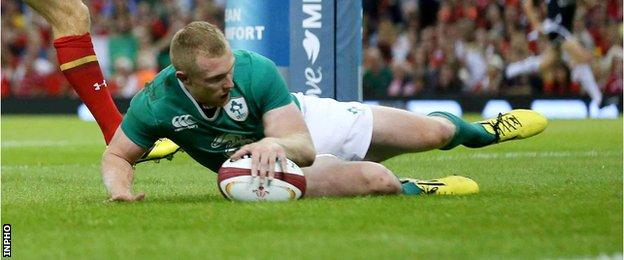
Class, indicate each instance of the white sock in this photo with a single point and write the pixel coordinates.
(594, 109)
(528, 65)
(583, 74)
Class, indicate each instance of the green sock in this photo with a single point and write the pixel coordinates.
(471, 135)
(409, 188)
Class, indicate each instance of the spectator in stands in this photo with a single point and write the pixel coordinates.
(377, 74)
(448, 82)
(122, 82)
(417, 43)
(611, 66)
(472, 59)
(557, 82)
(406, 40)
(123, 43)
(420, 72)
(402, 84)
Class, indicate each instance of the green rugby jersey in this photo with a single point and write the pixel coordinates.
(164, 108)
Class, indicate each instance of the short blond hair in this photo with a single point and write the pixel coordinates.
(196, 38)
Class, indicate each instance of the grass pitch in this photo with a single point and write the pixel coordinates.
(557, 195)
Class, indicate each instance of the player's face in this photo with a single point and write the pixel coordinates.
(210, 84)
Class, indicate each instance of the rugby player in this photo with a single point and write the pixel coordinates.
(558, 26)
(220, 104)
(71, 25)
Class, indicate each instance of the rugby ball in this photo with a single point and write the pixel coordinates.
(236, 183)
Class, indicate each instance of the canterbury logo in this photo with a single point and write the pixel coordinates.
(183, 122)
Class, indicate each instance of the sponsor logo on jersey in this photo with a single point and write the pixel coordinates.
(237, 109)
(354, 110)
(183, 122)
(230, 143)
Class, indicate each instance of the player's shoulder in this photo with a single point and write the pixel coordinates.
(251, 59)
(164, 78)
(154, 91)
(252, 68)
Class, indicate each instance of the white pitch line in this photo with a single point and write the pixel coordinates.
(25, 167)
(615, 256)
(42, 143)
(513, 155)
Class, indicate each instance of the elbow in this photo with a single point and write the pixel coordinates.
(111, 156)
(106, 155)
(307, 157)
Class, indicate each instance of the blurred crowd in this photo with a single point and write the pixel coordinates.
(462, 47)
(130, 37)
(412, 48)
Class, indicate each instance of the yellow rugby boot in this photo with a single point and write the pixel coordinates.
(451, 185)
(515, 124)
(163, 149)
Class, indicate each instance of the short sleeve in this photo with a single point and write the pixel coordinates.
(268, 86)
(139, 125)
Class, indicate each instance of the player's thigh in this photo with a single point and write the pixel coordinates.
(67, 17)
(343, 129)
(550, 56)
(331, 176)
(398, 131)
(576, 51)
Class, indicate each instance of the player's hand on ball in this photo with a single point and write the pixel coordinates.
(127, 197)
(264, 154)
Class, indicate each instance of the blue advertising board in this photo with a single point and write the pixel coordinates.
(315, 43)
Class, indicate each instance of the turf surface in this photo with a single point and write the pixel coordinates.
(557, 195)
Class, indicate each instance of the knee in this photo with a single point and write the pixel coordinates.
(379, 179)
(445, 131)
(80, 14)
(440, 133)
(585, 58)
(71, 18)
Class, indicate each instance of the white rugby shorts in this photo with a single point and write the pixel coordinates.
(343, 129)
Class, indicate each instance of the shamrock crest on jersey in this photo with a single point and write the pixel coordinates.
(230, 142)
(236, 108)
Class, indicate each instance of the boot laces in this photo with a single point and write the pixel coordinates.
(505, 124)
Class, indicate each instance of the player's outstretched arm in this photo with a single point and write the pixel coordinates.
(531, 14)
(287, 136)
(117, 171)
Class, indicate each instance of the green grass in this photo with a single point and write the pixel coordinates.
(558, 195)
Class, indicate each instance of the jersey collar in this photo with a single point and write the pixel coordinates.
(201, 112)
